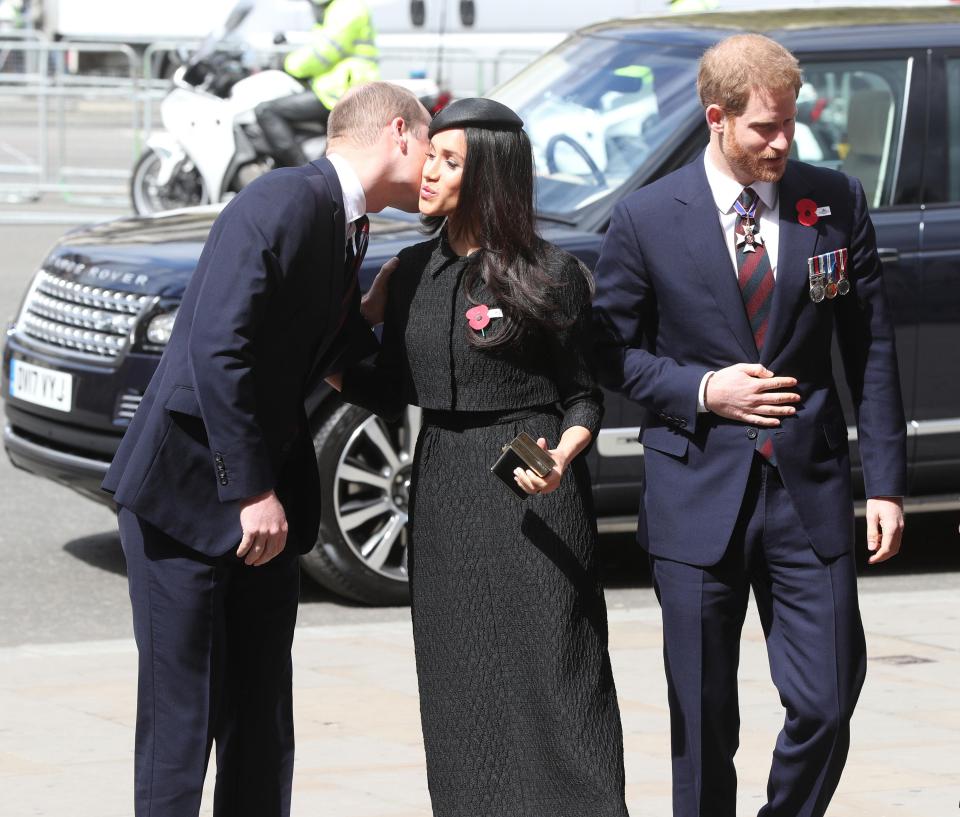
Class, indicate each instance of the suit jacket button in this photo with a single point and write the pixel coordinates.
(223, 480)
(752, 433)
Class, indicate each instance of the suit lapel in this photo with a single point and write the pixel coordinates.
(326, 187)
(335, 193)
(797, 243)
(708, 247)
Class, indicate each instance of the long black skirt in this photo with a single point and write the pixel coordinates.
(517, 700)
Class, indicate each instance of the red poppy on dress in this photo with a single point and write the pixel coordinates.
(479, 317)
(807, 212)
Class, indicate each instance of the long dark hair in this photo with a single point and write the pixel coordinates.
(495, 206)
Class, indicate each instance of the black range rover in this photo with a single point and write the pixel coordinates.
(611, 109)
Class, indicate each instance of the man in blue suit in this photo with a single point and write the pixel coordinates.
(216, 478)
(719, 289)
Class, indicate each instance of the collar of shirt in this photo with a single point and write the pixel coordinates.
(354, 199)
(725, 191)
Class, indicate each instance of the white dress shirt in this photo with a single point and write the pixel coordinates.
(354, 199)
(726, 190)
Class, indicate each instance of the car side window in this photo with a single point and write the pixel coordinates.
(953, 128)
(849, 118)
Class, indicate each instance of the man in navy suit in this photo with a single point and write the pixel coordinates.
(719, 289)
(216, 478)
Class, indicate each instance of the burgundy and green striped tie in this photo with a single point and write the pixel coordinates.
(755, 276)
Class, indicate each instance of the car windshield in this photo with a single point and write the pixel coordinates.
(595, 110)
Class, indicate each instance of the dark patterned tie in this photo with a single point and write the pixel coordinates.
(756, 286)
(356, 250)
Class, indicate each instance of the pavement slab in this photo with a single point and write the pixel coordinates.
(67, 718)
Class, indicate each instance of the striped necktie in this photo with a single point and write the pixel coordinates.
(356, 250)
(755, 277)
(357, 247)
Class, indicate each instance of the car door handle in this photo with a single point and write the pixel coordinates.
(889, 255)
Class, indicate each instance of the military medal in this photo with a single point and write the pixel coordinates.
(843, 285)
(817, 291)
(750, 239)
(828, 275)
(830, 262)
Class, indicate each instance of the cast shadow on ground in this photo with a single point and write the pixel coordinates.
(931, 544)
(313, 593)
(101, 550)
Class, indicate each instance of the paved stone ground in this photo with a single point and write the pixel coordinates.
(67, 715)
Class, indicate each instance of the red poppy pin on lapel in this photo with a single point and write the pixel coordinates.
(809, 212)
(479, 317)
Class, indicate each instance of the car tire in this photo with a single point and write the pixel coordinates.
(365, 465)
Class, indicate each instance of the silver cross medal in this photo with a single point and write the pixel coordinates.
(750, 240)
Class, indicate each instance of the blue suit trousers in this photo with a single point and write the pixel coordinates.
(214, 639)
(815, 644)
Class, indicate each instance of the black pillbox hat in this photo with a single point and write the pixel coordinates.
(475, 112)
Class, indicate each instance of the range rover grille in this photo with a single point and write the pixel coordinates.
(127, 406)
(89, 320)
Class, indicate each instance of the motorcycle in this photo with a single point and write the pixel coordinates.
(213, 146)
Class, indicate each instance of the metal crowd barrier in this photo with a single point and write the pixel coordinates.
(472, 73)
(14, 60)
(63, 130)
(74, 116)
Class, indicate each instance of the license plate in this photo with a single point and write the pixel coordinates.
(45, 387)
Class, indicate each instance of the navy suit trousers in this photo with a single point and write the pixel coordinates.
(214, 639)
(815, 644)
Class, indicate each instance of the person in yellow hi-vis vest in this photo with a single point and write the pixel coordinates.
(341, 53)
(685, 6)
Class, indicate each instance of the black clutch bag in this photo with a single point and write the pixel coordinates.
(521, 452)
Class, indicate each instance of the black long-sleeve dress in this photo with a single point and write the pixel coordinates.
(517, 700)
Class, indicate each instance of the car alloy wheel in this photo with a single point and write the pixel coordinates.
(372, 492)
(365, 467)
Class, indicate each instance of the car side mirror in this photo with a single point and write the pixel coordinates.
(279, 38)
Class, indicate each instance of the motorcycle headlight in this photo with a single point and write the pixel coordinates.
(160, 328)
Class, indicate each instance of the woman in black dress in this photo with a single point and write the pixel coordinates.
(485, 329)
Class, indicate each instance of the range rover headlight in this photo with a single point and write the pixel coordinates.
(160, 328)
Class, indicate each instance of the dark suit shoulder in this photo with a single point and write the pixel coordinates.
(824, 181)
(277, 204)
(650, 198)
(284, 190)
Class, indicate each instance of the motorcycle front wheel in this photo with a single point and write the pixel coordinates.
(186, 188)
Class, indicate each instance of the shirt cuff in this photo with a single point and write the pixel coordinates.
(701, 405)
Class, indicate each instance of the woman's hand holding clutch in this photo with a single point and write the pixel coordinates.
(533, 484)
(574, 440)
